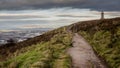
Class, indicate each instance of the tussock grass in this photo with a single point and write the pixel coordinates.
(101, 42)
(49, 49)
(50, 54)
(104, 36)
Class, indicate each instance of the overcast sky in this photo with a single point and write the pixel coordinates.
(109, 5)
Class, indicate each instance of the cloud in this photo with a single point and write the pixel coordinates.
(48, 18)
(109, 5)
(32, 26)
(52, 14)
(1, 31)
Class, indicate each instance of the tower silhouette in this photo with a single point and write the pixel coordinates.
(102, 15)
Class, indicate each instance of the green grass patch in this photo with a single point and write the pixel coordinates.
(49, 54)
(106, 45)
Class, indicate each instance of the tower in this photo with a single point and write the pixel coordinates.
(102, 15)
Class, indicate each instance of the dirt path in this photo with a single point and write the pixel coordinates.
(83, 55)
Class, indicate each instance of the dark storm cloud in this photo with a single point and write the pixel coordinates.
(110, 5)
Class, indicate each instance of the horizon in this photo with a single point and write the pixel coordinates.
(32, 14)
(12, 20)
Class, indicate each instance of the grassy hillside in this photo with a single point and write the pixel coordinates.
(48, 53)
(104, 36)
(49, 49)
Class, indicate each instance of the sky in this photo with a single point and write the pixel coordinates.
(105, 5)
(30, 14)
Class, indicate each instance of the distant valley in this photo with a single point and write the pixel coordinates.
(21, 35)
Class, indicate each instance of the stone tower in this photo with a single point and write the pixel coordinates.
(102, 15)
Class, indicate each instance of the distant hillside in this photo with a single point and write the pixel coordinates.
(49, 50)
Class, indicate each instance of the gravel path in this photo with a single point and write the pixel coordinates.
(83, 55)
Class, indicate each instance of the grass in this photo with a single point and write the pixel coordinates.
(49, 49)
(106, 46)
(104, 37)
(50, 54)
